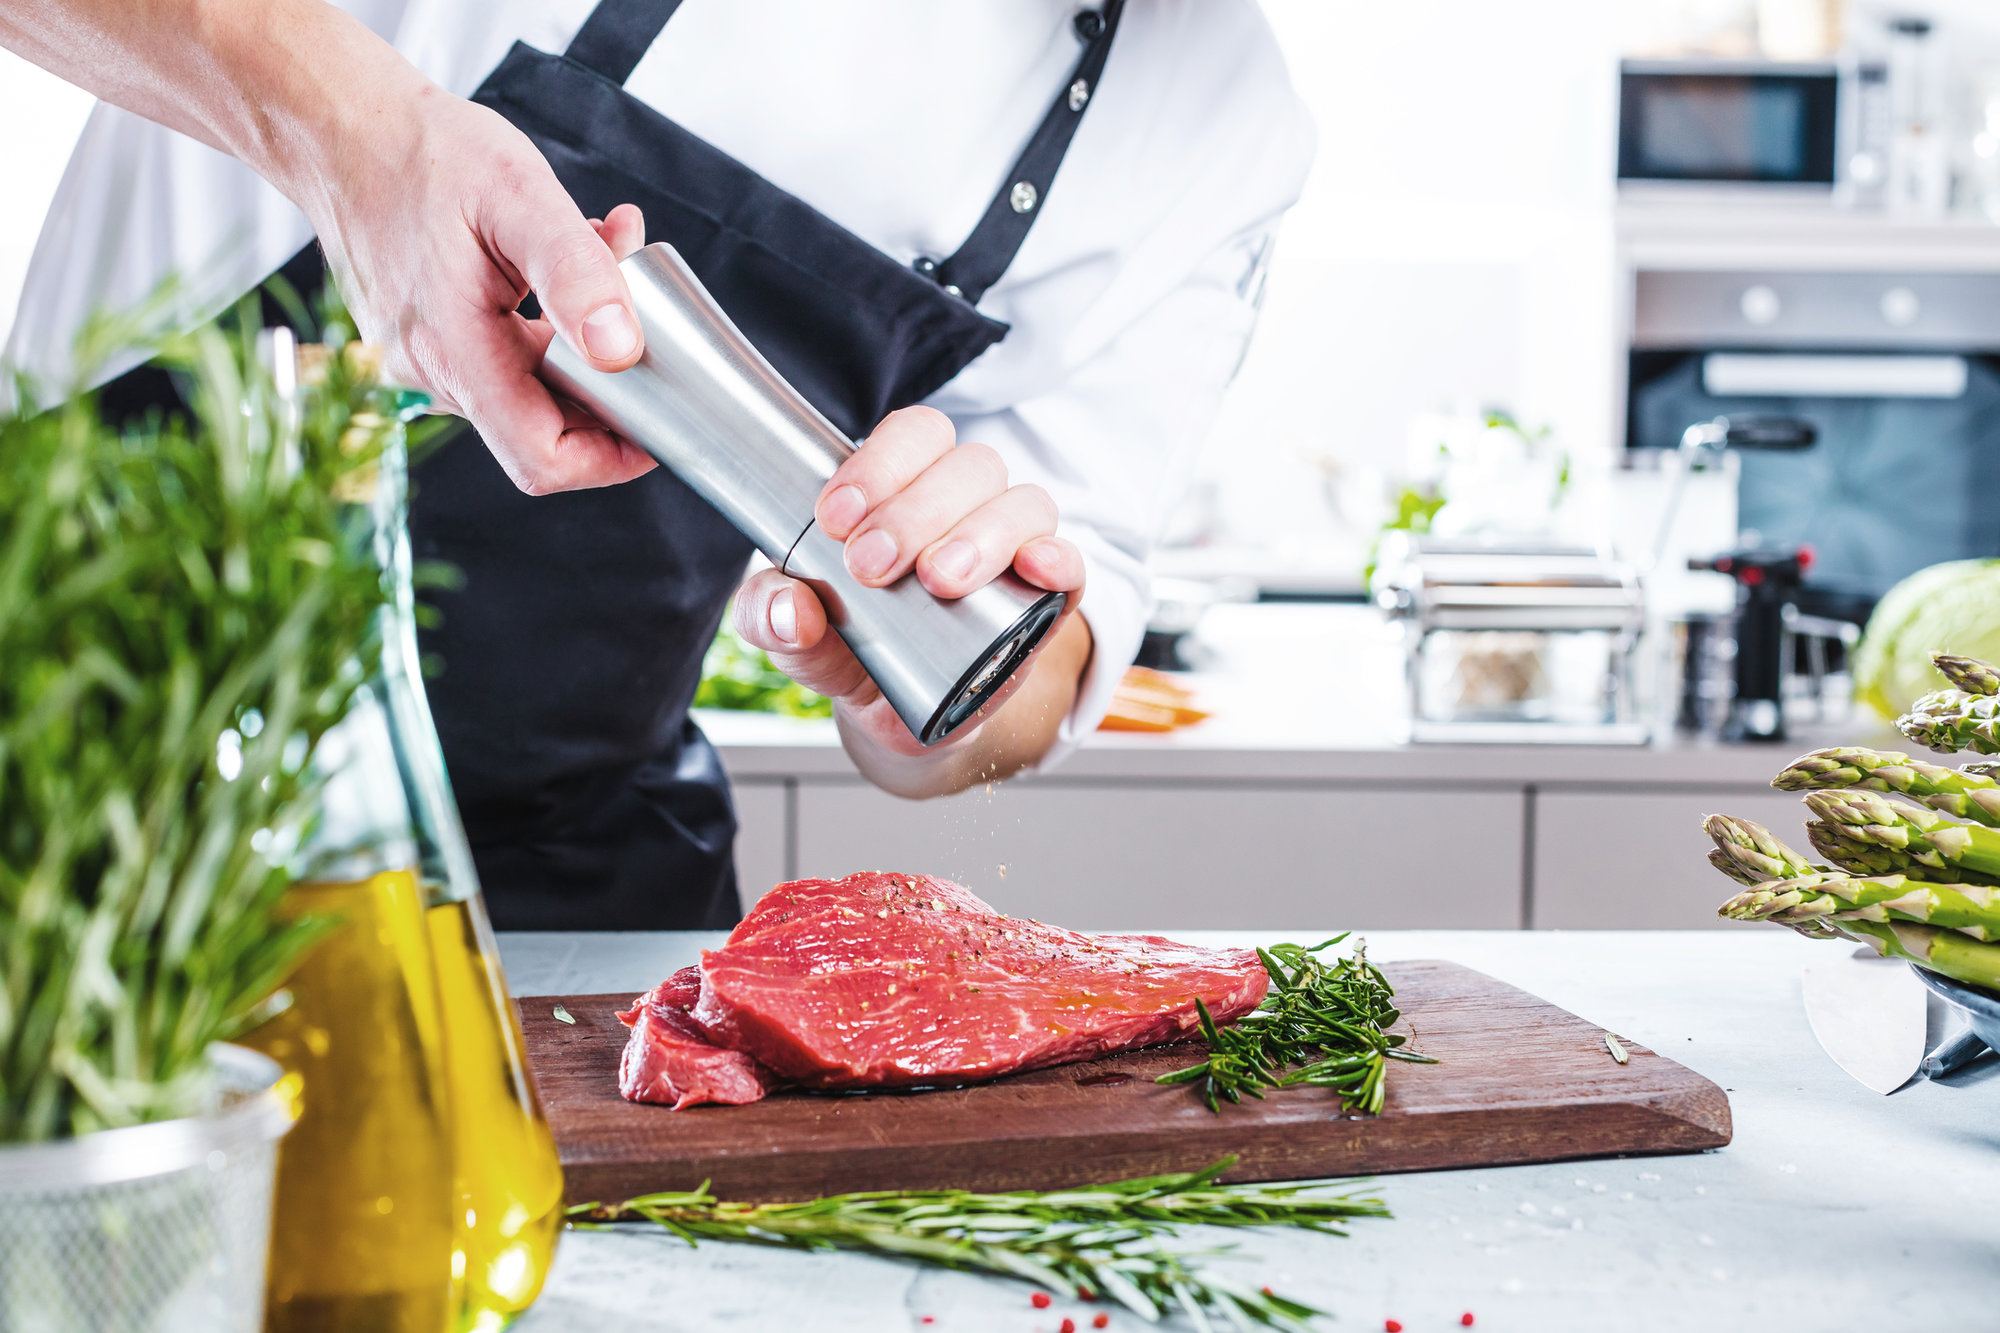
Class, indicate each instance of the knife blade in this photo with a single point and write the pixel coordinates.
(1868, 1014)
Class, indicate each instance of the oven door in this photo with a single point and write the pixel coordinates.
(1906, 471)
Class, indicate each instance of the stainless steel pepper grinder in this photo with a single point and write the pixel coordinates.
(705, 403)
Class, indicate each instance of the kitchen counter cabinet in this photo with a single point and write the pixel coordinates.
(1636, 859)
(1834, 1209)
(1290, 803)
(1201, 856)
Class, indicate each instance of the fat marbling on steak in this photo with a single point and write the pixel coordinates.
(880, 980)
(668, 1059)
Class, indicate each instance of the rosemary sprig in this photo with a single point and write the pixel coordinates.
(1103, 1241)
(1323, 1025)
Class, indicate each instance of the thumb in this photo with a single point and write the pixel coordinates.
(575, 276)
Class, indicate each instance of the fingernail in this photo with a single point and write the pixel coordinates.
(785, 617)
(870, 555)
(955, 559)
(609, 334)
(1041, 548)
(840, 511)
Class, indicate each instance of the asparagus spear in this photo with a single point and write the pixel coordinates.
(1902, 837)
(1857, 856)
(1749, 853)
(1946, 952)
(1794, 903)
(1972, 910)
(1968, 673)
(1952, 720)
(1967, 795)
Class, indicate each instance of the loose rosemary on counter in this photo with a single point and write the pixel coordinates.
(1100, 1241)
(1323, 1025)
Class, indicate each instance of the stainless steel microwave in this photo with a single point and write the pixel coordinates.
(1723, 122)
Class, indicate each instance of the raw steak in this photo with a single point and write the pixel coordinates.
(667, 1059)
(883, 980)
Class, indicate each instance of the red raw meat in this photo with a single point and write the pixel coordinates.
(667, 1059)
(884, 980)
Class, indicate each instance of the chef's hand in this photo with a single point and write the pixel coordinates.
(911, 497)
(434, 254)
(437, 216)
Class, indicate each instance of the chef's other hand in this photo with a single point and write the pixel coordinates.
(435, 249)
(910, 497)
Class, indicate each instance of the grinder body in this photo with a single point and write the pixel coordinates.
(708, 406)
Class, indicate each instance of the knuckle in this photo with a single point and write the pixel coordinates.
(1035, 500)
(575, 266)
(529, 479)
(921, 420)
(988, 467)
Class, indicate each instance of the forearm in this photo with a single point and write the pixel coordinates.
(1018, 733)
(275, 83)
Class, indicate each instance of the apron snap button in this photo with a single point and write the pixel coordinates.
(924, 265)
(1079, 93)
(1089, 24)
(1022, 196)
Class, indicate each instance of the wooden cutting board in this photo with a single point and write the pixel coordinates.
(1519, 1081)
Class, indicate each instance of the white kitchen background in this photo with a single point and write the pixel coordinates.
(1452, 251)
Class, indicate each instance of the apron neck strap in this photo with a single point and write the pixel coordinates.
(978, 264)
(617, 34)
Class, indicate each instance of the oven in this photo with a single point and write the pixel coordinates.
(1897, 374)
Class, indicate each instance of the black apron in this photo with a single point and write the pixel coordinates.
(574, 644)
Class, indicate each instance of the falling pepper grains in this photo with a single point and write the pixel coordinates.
(1102, 1321)
(1466, 1319)
(1069, 1326)
(1040, 1300)
(1392, 1326)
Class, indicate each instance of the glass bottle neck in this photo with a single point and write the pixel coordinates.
(387, 800)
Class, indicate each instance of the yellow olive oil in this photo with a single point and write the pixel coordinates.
(508, 1185)
(363, 1234)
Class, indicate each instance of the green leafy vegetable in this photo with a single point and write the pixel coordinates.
(1103, 1240)
(1952, 607)
(736, 676)
(1323, 1025)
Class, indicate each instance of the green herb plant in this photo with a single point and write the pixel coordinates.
(735, 675)
(1323, 1025)
(183, 612)
(1101, 1241)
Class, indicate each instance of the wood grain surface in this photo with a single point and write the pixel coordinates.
(1519, 1081)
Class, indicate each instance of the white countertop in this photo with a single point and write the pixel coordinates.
(1310, 692)
(1833, 1209)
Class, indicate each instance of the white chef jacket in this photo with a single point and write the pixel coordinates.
(1130, 303)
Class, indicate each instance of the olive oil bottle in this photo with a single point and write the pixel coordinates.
(420, 1192)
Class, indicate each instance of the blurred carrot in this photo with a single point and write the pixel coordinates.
(1153, 701)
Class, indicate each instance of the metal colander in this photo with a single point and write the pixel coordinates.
(161, 1228)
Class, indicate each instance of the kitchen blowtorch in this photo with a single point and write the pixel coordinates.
(709, 407)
